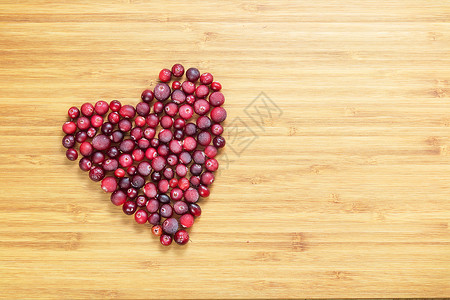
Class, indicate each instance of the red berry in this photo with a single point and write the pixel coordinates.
(207, 178)
(147, 96)
(218, 114)
(141, 201)
(154, 219)
(109, 184)
(119, 173)
(204, 138)
(97, 157)
(81, 136)
(181, 237)
(176, 85)
(166, 211)
(165, 239)
(157, 230)
(96, 121)
(187, 220)
(158, 107)
(85, 164)
(177, 70)
(152, 205)
(186, 111)
(181, 170)
(96, 174)
(178, 96)
(125, 125)
(195, 180)
(129, 207)
(215, 86)
(192, 74)
(188, 87)
(113, 117)
(180, 207)
(173, 182)
(202, 91)
(206, 78)
(203, 122)
(127, 111)
(216, 99)
(161, 91)
(189, 143)
(176, 194)
(171, 109)
(71, 154)
(170, 226)
(118, 197)
(83, 123)
(175, 146)
(125, 160)
(195, 209)
(101, 107)
(219, 141)
(143, 109)
(152, 120)
(201, 107)
(163, 186)
(86, 149)
(165, 135)
(87, 109)
(101, 142)
(166, 122)
(115, 105)
(211, 165)
(140, 121)
(69, 127)
(150, 153)
(150, 190)
(149, 133)
(73, 112)
(203, 190)
(183, 183)
(217, 129)
(141, 216)
(165, 75)
(191, 195)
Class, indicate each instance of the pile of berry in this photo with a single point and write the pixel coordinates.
(157, 164)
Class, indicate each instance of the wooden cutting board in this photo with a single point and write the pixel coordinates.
(335, 180)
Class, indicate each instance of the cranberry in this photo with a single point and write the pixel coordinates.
(101, 107)
(219, 141)
(204, 138)
(165, 240)
(206, 78)
(139, 121)
(157, 230)
(147, 96)
(127, 145)
(109, 184)
(158, 107)
(118, 197)
(201, 107)
(166, 211)
(141, 216)
(107, 128)
(115, 105)
(85, 164)
(163, 150)
(190, 129)
(144, 168)
(87, 109)
(176, 194)
(143, 143)
(125, 183)
(178, 134)
(203, 122)
(165, 75)
(170, 225)
(163, 198)
(195, 209)
(189, 143)
(129, 207)
(202, 91)
(152, 120)
(137, 181)
(171, 109)
(185, 157)
(149, 133)
(150, 190)
(173, 182)
(125, 160)
(218, 114)
(190, 99)
(165, 136)
(127, 111)
(69, 127)
(112, 152)
(188, 87)
(96, 174)
(141, 201)
(181, 170)
(150, 153)
(156, 176)
(68, 141)
(119, 173)
(142, 109)
(211, 165)
(131, 170)
(137, 155)
(71, 154)
(179, 123)
(186, 111)
(217, 129)
(176, 85)
(178, 96)
(81, 136)
(136, 133)
(192, 74)
(152, 205)
(116, 136)
(175, 146)
(91, 132)
(196, 169)
(154, 219)
(114, 118)
(125, 125)
(177, 70)
(162, 91)
(163, 186)
(166, 122)
(215, 86)
(97, 157)
(73, 112)
(83, 123)
(207, 178)
(180, 207)
(86, 149)
(181, 237)
(172, 160)
(132, 193)
(187, 220)
(101, 142)
(199, 157)
(203, 190)
(195, 180)
(183, 183)
(216, 99)
(191, 195)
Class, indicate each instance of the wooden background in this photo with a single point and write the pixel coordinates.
(341, 191)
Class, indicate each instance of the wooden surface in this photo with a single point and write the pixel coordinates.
(341, 191)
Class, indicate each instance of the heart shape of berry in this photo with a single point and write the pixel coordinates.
(143, 157)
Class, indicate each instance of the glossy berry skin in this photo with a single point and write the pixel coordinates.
(192, 74)
(187, 220)
(176, 194)
(113, 118)
(211, 165)
(183, 183)
(206, 78)
(203, 191)
(176, 85)
(207, 178)
(142, 109)
(191, 195)
(179, 123)
(118, 197)
(107, 128)
(81, 136)
(96, 174)
(170, 226)
(217, 129)
(147, 96)
(165, 239)
(173, 182)
(190, 99)
(215, 86)
(195, 181)
(157, 230)
(150, 190)
(181, 237)
(91, 132)
(218, 114)
(141, 216)
(73, 112)
(85, 164)
(119, 173)
(71, 154)
(163, 198)
(188, 87)
(115, 105)
(163, 186)
(158, 107)
(87, 109)
(219, 141)
(166, 122)
(180, 207)
(127, 111)
(177, 70)
(86, 149)
(186, 111)
(129, 207)
(195, 210)
(166, 211)
(165, 75)
(125, 160)
(154, 219)
(83, 123)
(97, 157)
(101, 107)
(69, 127)
(216, 99)
(202, 91)
(141, 201)
(68, 141)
